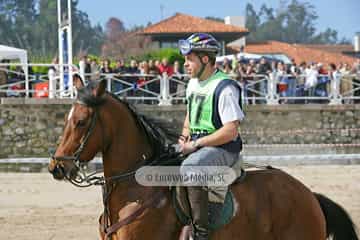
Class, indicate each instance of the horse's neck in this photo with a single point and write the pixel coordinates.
(128, 145)
(128, 148)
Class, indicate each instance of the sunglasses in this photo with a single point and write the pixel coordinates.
(185, 46)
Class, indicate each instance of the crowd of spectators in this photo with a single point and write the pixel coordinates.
(144, 73)
(92, 67)
(293, 80)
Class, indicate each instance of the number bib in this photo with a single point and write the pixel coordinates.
(201, 104)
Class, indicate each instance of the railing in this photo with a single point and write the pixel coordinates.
(277, 89)
(22, 83)
(269, 89)
(145, 88)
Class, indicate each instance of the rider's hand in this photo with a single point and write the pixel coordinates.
(183, 139)
(188, 147)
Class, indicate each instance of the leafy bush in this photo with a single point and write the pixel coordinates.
(172, 54)
(40, 69)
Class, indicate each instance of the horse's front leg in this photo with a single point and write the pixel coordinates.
(102, 227)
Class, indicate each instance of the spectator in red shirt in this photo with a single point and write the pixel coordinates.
(165, 67)
(322, 70)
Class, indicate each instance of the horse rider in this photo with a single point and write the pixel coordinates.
(210, 134)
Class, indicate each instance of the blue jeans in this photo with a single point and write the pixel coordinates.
(210, 156)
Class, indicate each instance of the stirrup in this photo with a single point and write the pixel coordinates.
(200, 234)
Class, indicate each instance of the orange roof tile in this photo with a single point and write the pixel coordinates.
(298, 52)
(182, 23)
(335, 48)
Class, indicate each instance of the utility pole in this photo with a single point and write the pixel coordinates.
(65, 48)
(162, 11)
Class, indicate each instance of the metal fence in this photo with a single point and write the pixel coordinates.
(22, 82)
(166, 90)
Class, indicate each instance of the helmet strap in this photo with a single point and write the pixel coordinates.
(202, 68)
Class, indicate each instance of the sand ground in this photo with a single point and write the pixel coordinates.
(34, 206)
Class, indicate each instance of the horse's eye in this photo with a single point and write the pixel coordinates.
(81, 123)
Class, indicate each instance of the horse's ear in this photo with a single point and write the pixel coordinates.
(77, 81)
(100, 88)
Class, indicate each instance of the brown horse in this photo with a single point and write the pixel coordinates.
(270, 204)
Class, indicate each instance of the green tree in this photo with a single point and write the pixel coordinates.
(45, 30)
(271, 27)
(16, 19)
(292, 22)
(123, 43)
(5, 23)
(32, 24)
(329, 36)
(86, 38)
(299, 22)
(252, 21)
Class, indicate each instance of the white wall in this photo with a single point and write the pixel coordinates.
(238, 21)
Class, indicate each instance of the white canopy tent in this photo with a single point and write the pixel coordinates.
(238, 56)
(247, 56)
(11, 53)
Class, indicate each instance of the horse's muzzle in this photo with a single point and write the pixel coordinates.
(58, 172)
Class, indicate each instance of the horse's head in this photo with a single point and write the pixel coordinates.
(82, 136)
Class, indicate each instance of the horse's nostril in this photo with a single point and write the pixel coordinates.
(58, 173)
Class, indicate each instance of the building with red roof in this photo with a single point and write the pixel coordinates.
(320, 53)
(168, 31)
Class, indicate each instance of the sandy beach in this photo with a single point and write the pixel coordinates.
(34, 206)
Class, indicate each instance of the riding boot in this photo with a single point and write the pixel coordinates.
(215, 210)
(198, 198)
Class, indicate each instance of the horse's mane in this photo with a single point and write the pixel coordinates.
(159, 137)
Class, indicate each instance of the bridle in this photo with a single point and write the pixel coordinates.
(82, 179)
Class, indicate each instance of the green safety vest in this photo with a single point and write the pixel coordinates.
(201, 104)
